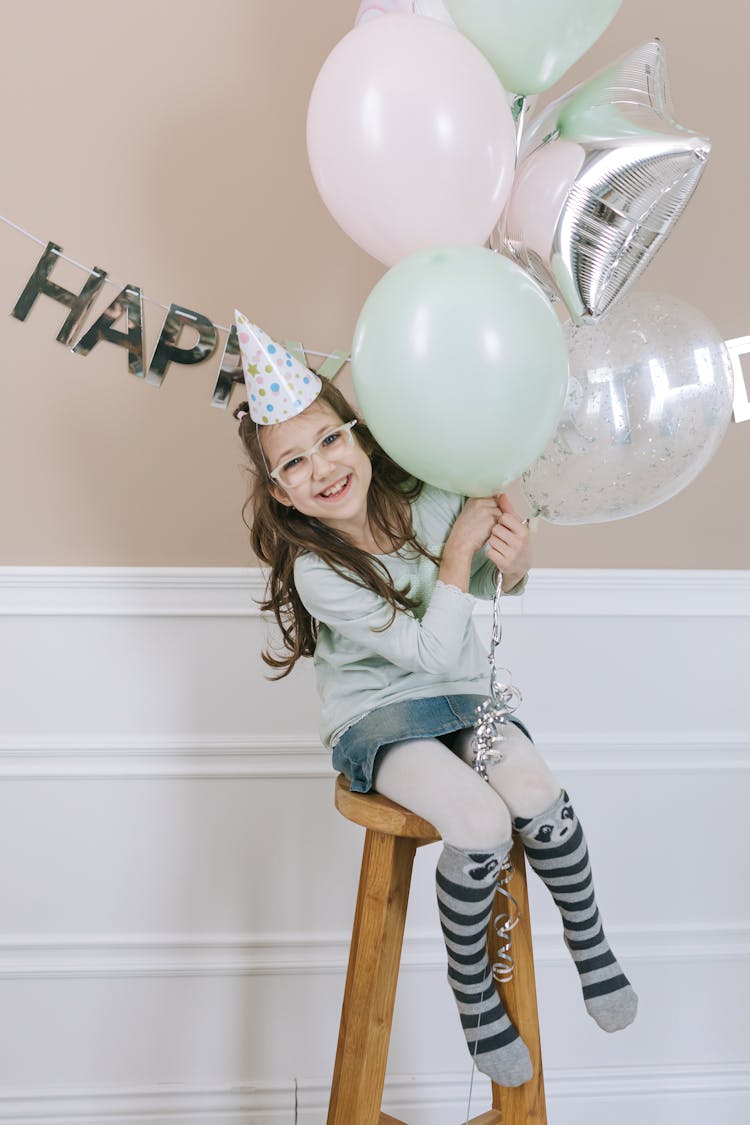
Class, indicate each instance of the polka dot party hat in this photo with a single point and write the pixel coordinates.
(278, 385)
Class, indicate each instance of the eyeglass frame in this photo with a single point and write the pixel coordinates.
(345, 427)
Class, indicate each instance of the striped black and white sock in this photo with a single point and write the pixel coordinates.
(556, 848)
(466, 883)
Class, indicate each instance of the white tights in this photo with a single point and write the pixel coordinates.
(439, 784)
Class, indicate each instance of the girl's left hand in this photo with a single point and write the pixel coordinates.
(509, 544)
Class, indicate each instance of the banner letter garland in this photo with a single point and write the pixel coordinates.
(127, 307)
(126, 310)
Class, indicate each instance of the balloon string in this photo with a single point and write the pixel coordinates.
(121, 285)
(503, 966)
(491, 716)
(519, 109)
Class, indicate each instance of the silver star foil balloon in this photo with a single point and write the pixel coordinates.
(649, 400)
(605, 172)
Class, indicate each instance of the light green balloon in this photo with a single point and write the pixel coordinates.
(460, 368)
(531, 43)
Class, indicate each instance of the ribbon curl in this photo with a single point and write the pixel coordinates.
(491, 716)
(504, 965)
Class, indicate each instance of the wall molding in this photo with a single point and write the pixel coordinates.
(259, 757)
(235, 592)
(113, 956)
(255, 1103)
(56, 617)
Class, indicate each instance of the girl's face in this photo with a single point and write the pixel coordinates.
(336, 490)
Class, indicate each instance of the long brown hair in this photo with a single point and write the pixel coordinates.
(279, 535)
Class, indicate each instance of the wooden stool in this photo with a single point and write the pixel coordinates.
(393, 836)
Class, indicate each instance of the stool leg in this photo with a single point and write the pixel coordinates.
(520, 1105)
(370, 992)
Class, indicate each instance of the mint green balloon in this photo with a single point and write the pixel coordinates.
(531, 43)
(460, 368)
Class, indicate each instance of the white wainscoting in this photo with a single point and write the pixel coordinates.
(176, 890)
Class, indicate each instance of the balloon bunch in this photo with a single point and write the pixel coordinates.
(420, 146)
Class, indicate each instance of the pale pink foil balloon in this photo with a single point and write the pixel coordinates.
(368, 9)
(433, 9)
(410, 138)
(540, 189)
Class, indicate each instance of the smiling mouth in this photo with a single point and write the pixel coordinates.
(337, 490)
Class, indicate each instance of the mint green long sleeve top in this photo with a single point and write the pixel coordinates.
(434, 651)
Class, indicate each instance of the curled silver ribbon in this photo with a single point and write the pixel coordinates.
(503, 965)
(491, 716)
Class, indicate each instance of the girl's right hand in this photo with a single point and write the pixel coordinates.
(473, 526)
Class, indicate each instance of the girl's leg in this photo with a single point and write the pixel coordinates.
(556, 848)
(426, 777)
(523, 779)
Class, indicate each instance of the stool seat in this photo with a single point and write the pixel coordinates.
(392, 836)
(378, 814)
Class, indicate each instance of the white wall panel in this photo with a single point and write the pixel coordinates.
(176, 890)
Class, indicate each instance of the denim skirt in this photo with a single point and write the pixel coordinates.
(355, 752)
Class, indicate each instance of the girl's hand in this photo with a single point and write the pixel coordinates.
(509, 545)
(473, 526)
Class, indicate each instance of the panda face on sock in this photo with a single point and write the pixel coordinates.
(485, 872)
(546, 832)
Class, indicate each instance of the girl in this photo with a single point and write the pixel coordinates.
(374, 574)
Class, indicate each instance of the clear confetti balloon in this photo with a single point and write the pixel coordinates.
(649, 400)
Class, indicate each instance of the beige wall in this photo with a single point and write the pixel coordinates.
(165, 143)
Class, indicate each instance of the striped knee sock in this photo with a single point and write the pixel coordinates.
(556, 848)
(466, 890)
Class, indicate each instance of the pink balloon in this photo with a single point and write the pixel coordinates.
(540, 189)
(410, 138)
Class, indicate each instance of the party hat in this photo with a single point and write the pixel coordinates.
(278, 385)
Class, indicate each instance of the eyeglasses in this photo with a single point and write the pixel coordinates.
(298, 469)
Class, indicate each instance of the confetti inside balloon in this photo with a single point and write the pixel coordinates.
(649, 401)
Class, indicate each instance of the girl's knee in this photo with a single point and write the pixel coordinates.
(483, 822)
(528, 792)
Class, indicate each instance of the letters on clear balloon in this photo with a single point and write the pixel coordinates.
(736, 348)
